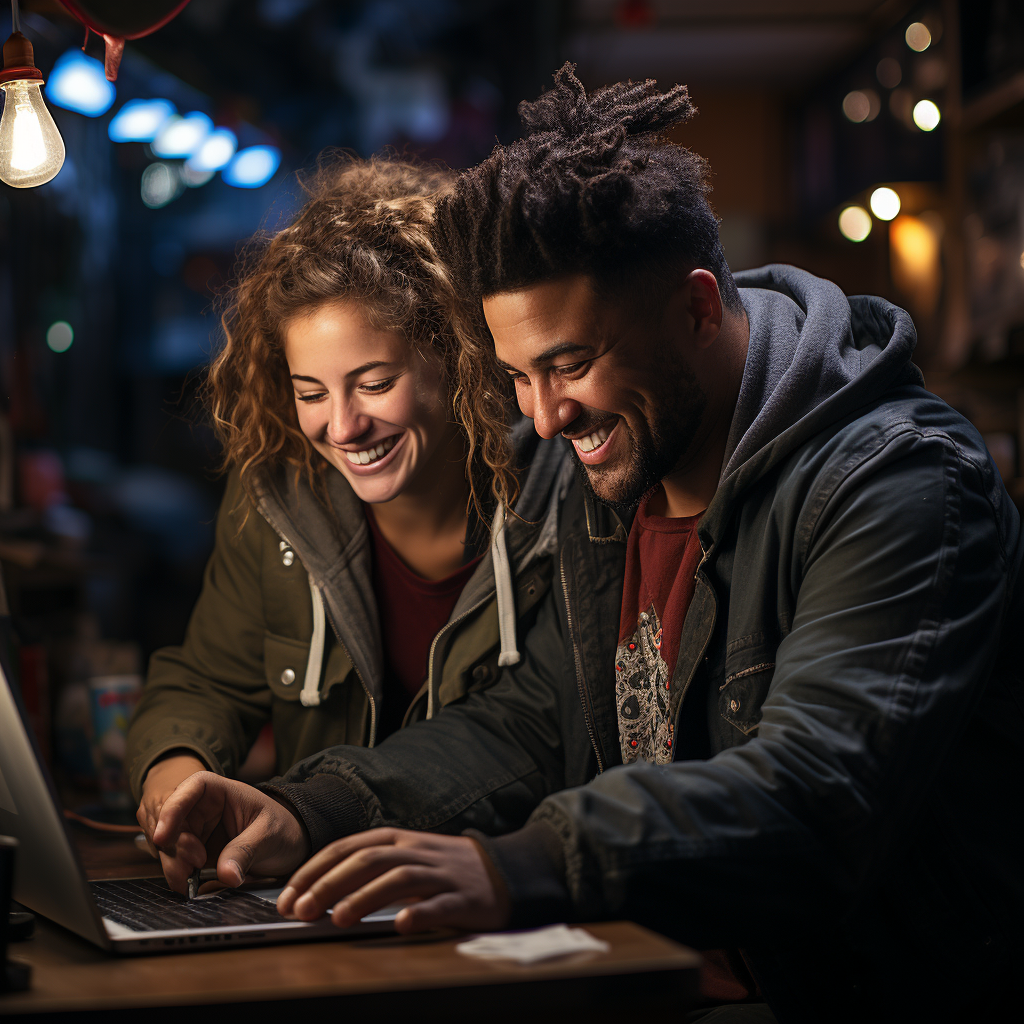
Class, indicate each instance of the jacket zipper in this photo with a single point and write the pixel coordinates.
(430, 659)
(580, 687)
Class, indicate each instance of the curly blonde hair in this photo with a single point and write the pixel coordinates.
(365, 234)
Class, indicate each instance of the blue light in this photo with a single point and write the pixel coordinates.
(215, 152)
(252, 167)
(77, 82)
(140, 120)
(182, 136)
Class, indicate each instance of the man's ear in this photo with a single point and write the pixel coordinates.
(698, 303)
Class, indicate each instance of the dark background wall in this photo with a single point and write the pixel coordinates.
(107, 467)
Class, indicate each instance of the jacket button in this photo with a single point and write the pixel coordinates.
(288, 677)
(734, 705)
(288, 557)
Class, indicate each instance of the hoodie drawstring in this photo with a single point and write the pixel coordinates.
(503, 589)
(310, 696)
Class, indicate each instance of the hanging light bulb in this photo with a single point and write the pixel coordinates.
(31, 149)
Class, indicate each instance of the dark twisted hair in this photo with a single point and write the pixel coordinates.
(592, 188)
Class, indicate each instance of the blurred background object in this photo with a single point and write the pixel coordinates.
(879, 143)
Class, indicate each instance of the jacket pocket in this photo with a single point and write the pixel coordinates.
(284, 665)
(743, 693)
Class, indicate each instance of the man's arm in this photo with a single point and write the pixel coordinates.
(901, 601)
(902, 598)
(483, 762)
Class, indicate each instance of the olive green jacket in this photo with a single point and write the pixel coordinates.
(286, 627)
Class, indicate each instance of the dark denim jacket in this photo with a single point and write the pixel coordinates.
(847, 704)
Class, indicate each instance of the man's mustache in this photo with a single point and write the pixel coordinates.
(586, 423)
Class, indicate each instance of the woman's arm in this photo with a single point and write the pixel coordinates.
(207, 699)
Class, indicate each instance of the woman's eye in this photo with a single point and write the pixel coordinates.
(378, 386)
(311, 396)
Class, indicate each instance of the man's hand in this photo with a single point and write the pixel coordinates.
(247, 831)
(451, 878)
(162, 779)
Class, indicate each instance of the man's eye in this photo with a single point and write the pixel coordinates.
(311, 396)
(571, 369)
(519, 378)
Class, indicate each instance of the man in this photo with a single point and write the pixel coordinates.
(793, 735)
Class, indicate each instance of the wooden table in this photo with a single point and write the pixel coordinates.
(385, 978)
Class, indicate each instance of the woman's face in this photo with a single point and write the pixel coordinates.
(370, 403)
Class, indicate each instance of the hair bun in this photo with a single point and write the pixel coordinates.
(638, 108)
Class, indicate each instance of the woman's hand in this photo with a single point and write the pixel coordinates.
(162, 779)
(450, 878)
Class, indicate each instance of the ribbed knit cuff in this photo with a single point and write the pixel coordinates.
(326, 804)
(531, 863)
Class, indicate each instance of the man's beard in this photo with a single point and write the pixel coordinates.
(655, 451)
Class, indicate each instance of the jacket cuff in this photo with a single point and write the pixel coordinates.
(326, 804)
(531, 863)
(141, 765)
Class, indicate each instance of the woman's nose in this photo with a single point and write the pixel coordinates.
(347, 423)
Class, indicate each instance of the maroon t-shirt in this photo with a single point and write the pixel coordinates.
(662, 556)
(412, 611)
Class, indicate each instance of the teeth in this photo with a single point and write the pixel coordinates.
(368, 455)
(592, 441)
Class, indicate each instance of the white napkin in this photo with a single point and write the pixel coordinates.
(533, 946)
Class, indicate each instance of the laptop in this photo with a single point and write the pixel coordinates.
(131, 916)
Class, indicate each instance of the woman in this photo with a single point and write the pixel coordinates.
(348, 593)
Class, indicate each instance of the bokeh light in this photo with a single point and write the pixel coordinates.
(161, 183)
(59, 336)
(78, 83)
(140, 120)
(855, 223)
(216, 151)
(918, 37)
(926, 115)
(252, 167)
(861, 105)
(885, 203)
(182, 136)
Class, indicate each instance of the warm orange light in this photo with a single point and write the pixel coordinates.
(916, 270)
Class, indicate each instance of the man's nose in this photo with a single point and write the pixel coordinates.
(553, 413)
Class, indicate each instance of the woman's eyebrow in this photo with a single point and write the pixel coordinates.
(371, 365)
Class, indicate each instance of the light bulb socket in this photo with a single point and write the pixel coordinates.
(19, 60)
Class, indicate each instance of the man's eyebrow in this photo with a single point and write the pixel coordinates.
(561, 349)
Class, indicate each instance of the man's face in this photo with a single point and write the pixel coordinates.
(613, 381)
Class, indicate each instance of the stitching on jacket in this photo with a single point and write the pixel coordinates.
(752, 671)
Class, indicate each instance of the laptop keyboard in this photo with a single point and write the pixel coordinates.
(145, 905)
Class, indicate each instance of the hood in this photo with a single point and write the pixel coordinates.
(814, 357)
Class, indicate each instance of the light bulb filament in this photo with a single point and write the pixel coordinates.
(28, 150)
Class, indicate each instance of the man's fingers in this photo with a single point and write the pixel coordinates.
(178, 806)
(356, 871)
(323, 861)
(404, 882)
(445, 910)
(187, 855)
